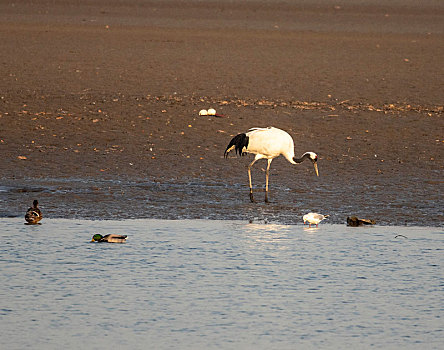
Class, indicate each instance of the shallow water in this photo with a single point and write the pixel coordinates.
(85, 198)
(201, 284)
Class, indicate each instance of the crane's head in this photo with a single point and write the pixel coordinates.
(308, 155)
(314, 159)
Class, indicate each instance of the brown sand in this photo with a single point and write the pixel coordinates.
(99, 106)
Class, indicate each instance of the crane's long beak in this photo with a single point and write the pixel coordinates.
(316, 168)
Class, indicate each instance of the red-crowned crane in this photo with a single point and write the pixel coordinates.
(267, 143)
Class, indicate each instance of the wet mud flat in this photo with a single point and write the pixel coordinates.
(99, 109)
(199, 198)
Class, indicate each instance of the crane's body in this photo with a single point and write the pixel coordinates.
(270, 143)
(267, 143)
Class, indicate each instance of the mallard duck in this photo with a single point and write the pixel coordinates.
(109, 238)
(355, 222)
(34, 214)
(313, 218)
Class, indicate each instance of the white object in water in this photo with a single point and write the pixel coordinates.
(313, 218)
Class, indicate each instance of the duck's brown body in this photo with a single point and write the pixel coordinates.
(355, 222)
(33, 215)
(111, 238)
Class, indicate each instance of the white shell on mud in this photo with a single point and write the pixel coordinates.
(211, 111)
(203, 112)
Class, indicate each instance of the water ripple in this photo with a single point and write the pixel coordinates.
(219, 285)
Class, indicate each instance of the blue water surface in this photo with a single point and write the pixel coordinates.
(206, 284)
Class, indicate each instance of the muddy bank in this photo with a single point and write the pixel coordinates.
(99, 109)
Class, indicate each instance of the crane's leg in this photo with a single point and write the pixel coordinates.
(249, 178)
(267, 174)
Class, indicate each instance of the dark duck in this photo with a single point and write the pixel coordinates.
(34, 214)
(355, 221)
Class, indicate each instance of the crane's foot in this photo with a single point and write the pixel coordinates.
(251, 197)
(266, 197)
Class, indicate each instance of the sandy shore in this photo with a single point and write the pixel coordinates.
(99, 108)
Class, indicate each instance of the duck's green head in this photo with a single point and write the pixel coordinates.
(97, 237)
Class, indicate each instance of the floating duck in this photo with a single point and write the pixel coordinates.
(313, 218)
(109, 238)
(355, 222)
(34, 214)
